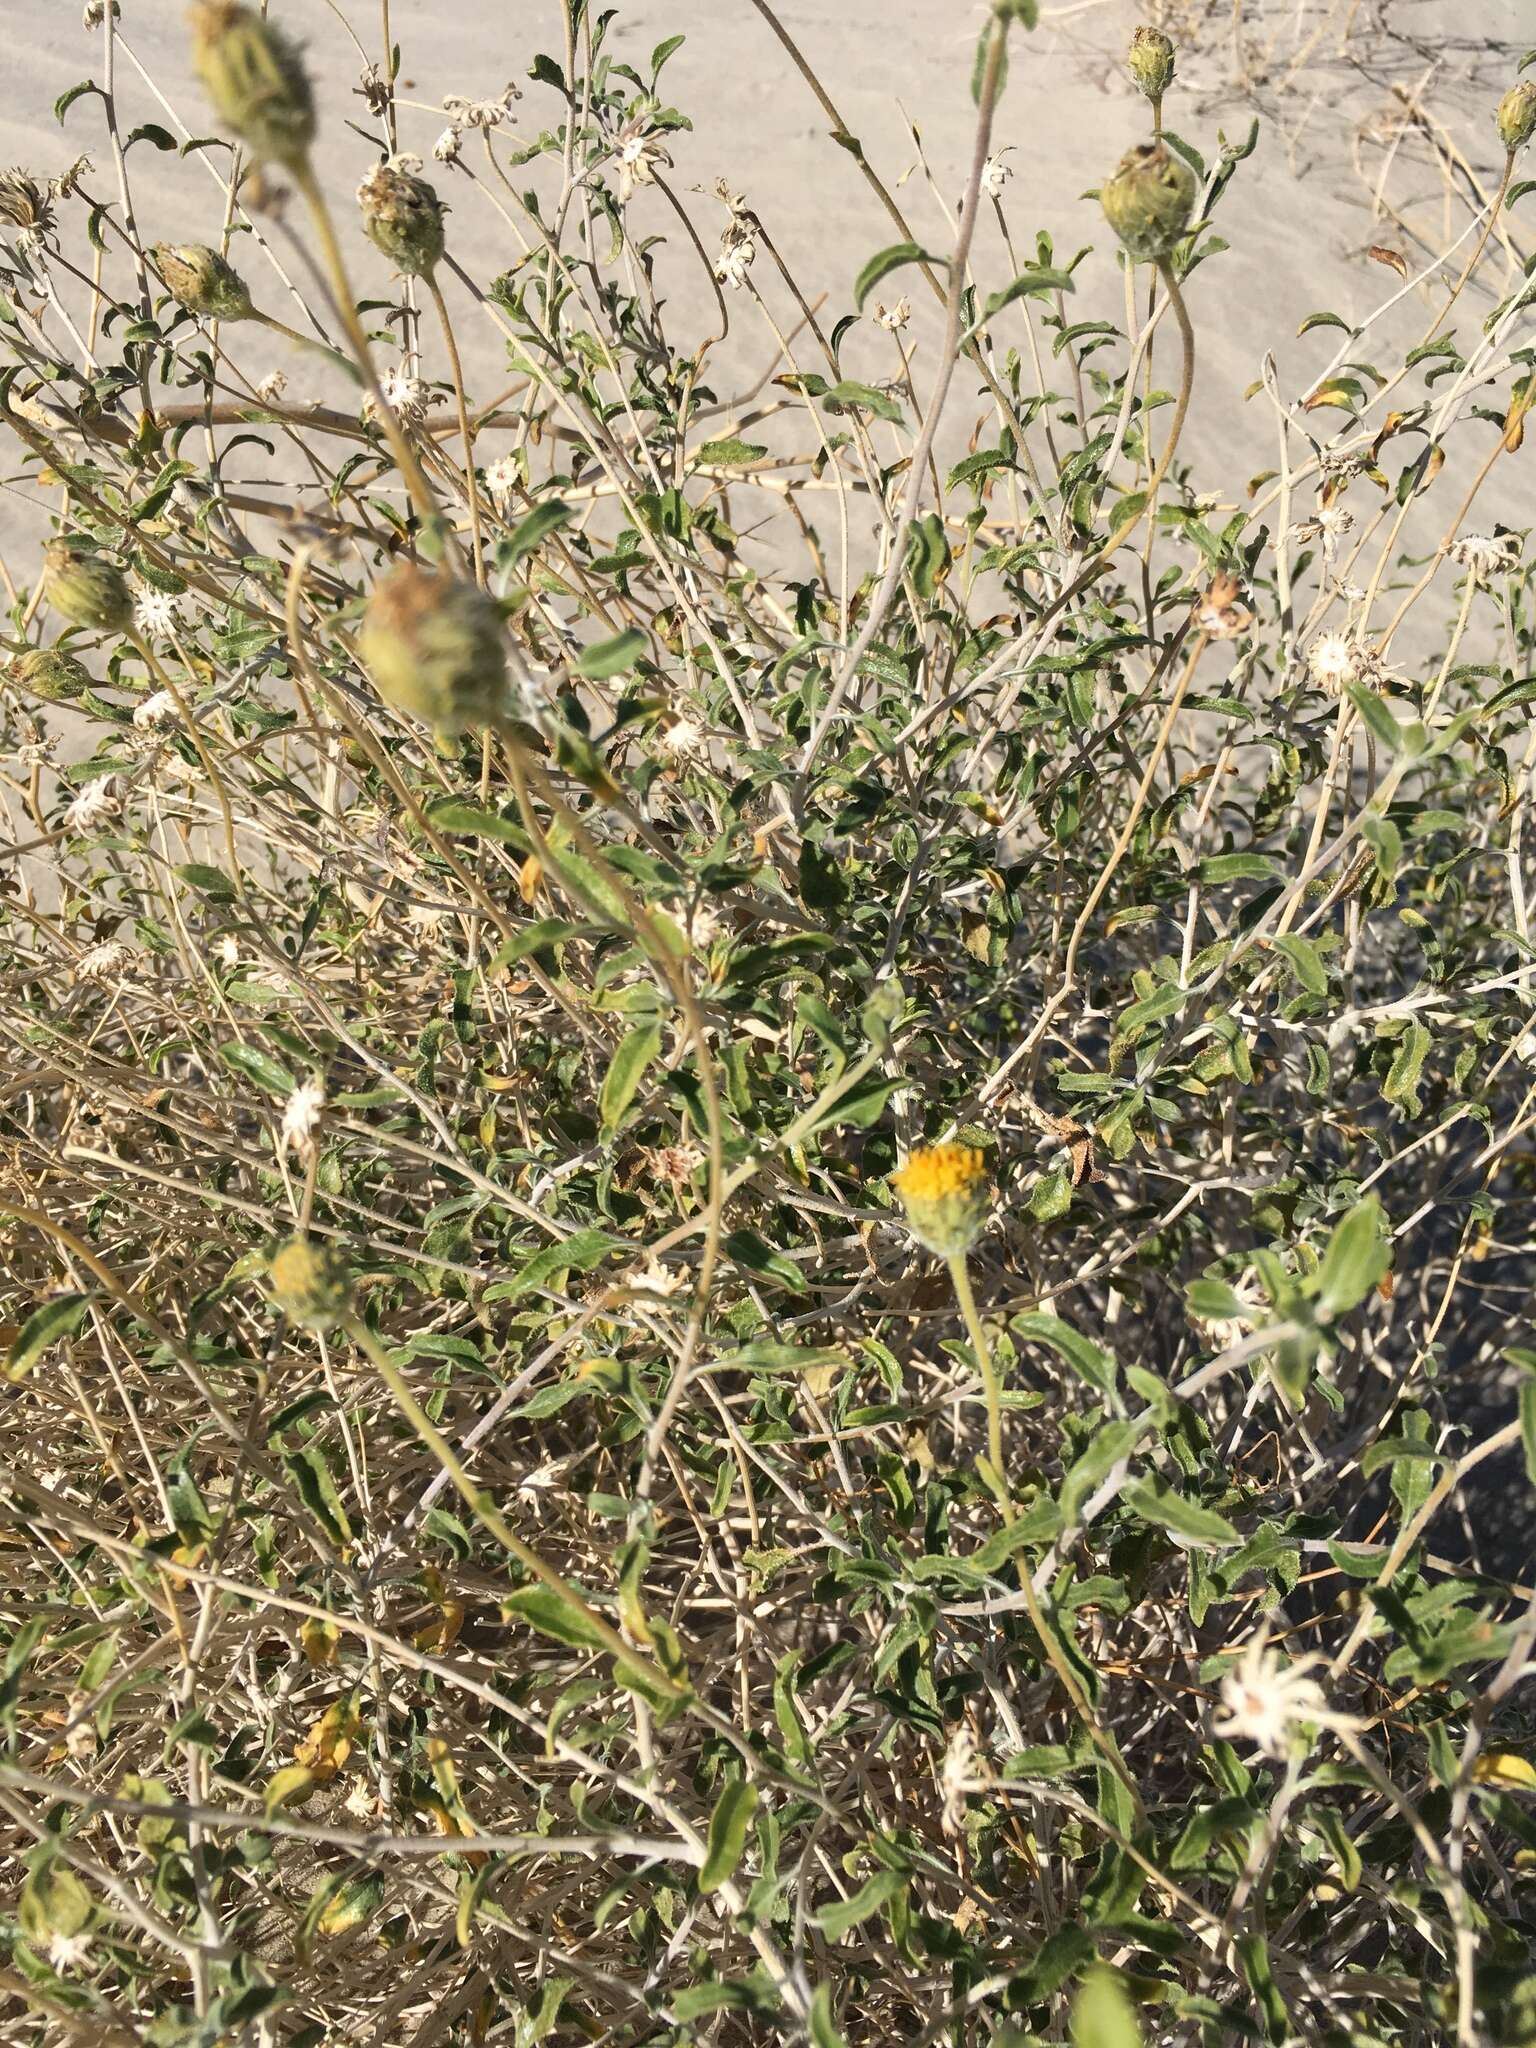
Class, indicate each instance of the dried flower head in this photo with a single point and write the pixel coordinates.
(86, 588)
(995, 173)
(310, 1282)
(1333, 661)
(682, 740)
(198, 278)
(402, 216)
(155, 710)
(155, 612)
(465, 113)
(271, 388)
(1268, 1702)
(1220, 612)
(49, 673)
(449, 145)
(1149, 200)
(945, 1190)
(24, 205)
(503, 480)
(106, 962)
(95, 805)
(1151, 61)
(1485, 555)
(738, 251)
(301, 1118)
(436, 649)
(408, 396)
(894, 318)
(66, 184)
(640, 153)
(1516, 117)
(962, 1772)
(373, 89)
(255, 77)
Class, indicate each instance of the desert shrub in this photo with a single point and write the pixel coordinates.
(766, 1173)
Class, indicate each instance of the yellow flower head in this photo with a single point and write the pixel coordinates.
(945, 1190)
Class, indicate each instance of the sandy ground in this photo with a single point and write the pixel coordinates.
(1297, 219)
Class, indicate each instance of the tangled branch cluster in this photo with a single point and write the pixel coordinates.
(766, 1184)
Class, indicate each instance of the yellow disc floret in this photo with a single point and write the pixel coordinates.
(944, 1190)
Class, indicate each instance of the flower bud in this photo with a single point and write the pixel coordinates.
(435, 648)
(86, 589)
(1149, 200)
(945, 1190)
(310, 1282)
(1517, 115)
(256, 80)
(403, 216)
(199, 279)
(50, 673)
(1151, 61)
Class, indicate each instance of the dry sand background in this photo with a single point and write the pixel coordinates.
(1321, 74)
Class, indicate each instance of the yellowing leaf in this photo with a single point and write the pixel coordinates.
(329, 1743)
(319, 1640)
(290, 1786)
(1502, 1767)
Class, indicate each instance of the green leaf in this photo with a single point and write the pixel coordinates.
(729, 453)
(208, 881)
(578, 1253)
(612, 657)
(1358, 1254)
(865, 397)
(1403, 1076)
(1305, 961)
(1085, 1357)
(728, 1826)
(316, 1484)
(823, 2025)
(452, 815)
(1374, 713)
(542, 1608)
(534, 938)
(258, 1066)
(1157, 1502)
(52, 1902)
(1102, 2013)
(749, 1250)
(58, 1318)
(1027, 285)
(540, 523)
(836, 1920)
(626, 1070)
(1330, 1825)
(894, 258)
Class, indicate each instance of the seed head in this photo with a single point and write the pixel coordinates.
(24, 205)
(435, 648)
(1149, 200)
(403, 216)
(1151, 61)
(50, 673)
(310, 1282)
(255, 77)
(1517, 115)
(944, 1190)
(86, 589)
(198, 278)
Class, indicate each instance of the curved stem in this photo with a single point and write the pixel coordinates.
(490, 1517)
(466, 431)
(346, 308)
(996, 1482)
(304, 341)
